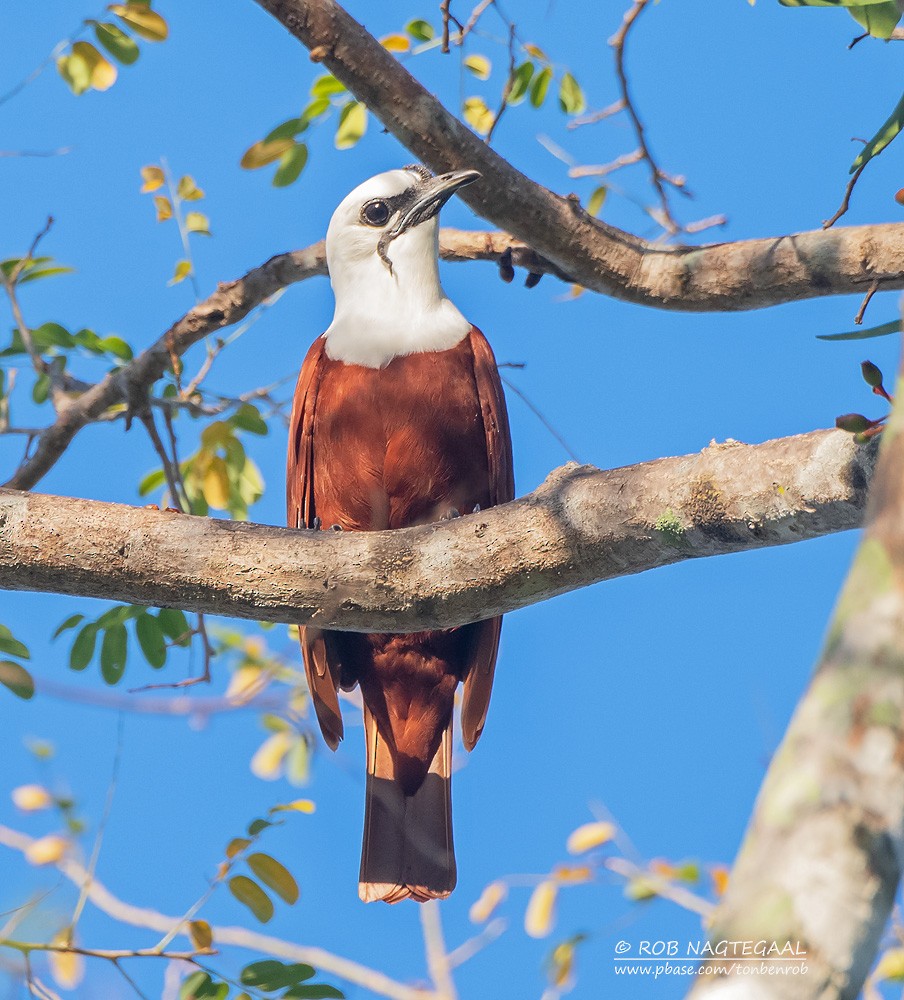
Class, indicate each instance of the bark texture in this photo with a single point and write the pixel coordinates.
(823, 854)
(581, 526)
(723, 277)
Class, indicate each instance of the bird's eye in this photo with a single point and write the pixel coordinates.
(375, 213)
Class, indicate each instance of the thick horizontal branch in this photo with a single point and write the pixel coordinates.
(581, 526)
(719, 277)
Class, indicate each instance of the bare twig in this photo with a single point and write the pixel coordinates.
(657, 176)
(597, 116)
(435, 949)
(873, 288)
(846, 200)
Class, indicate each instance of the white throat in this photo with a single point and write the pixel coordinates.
(381, 315)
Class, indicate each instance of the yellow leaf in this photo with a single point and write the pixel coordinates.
(216, 484)
(562, 961)
(541, 910)
(188, 190)
(164, 207)
(588, 836)
(244, 684)
(66, 967)
(31, 798)
(146, 23)
(197, 222)
(536, 51)
(576, 873)
(490, 898)
(268, 758)
(478, 115)
(719, 874)
(352, 125)
(183, 270)
(262, 153)
(101, 72)
(891, 965)
(296, 805)
(153, 179)
(396, 43)
(479, 65)
(201, 934)
(47, 850)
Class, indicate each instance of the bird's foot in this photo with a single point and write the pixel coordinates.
(450, 514)
(335, 527)
(315, 524)
(476, 509)
(166, 510)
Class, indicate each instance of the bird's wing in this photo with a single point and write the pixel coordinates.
(322, 670)
(479, 678)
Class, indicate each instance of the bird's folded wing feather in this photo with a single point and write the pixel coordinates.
(479, 678)
(322, 670)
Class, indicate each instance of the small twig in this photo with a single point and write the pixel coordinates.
(507, 89)
(9, 283)
(26, 947)
(438, 963)
(468, 949)
(625, 160)
(180, 222)
(846, 200)
(170, 467)
(597, 116)
(617, 42)
(871, 291)
(662, 886)
(538, 413)
(119, 968)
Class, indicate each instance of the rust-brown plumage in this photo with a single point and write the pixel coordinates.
(390, 447)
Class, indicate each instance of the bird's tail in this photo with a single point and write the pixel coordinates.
(407, 850)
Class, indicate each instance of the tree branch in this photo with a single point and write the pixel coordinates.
(824, 851)
(138, 916)
(719, 277)
(581, 526)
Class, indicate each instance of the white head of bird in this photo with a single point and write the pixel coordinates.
(382, 249)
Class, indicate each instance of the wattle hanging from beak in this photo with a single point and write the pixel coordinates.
(430, 199)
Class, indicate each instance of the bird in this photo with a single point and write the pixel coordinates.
(399, 419)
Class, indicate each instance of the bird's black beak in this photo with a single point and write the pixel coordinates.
(431, 197)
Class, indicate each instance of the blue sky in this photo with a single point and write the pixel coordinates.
(657, 699)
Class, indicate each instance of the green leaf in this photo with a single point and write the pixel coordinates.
(248, 418)
(117, 347)
(152, 481)
(291, 164)
(151, 639)
(255, 826)
(317, 107)
(540, 86)
(116, 42)
(270, 975)
(201, 934)
(520, 82)
(420, 30)
(41, 389)
(119, 614)
(76, 71)
(11, 646)
(175, 625)
(15, 677)
(274, 875)
(146, 23)
(198, 985)
(113, 654)
(52, 335)
(864, 334)
(82, 651)
(829, 3)
(287, 130)
(70, 622)
(36, 273)
(595, 202)
(314, 991)
(89, 340)
(197, 222)
(882, 138)
(880, 19)
(327, 86)
(479, 66)
(250, 894)
(571, 97)
(352, 124)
